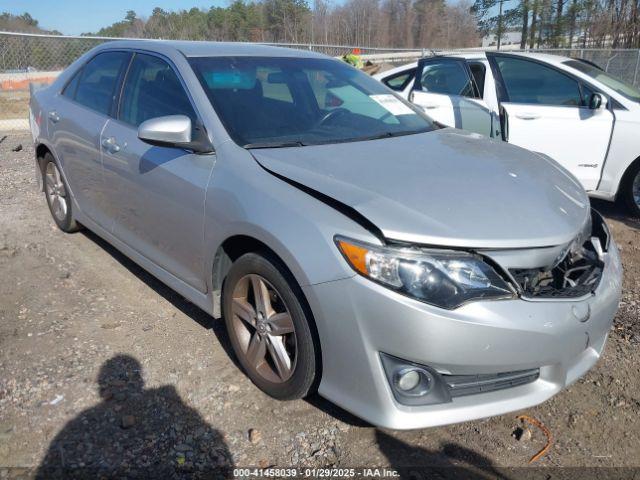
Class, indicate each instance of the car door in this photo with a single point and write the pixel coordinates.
(547, 110)
(158, 192)
(444, 87)
(75, 123)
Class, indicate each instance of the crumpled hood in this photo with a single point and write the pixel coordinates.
(445, 187)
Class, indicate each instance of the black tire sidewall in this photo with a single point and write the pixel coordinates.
(68, 224)
(271, 269)
(634, 209)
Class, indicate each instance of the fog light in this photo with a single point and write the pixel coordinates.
(413, 381)
(414, 384)
(407, 379)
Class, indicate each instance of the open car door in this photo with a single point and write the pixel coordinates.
(547, 110)
(445, 89)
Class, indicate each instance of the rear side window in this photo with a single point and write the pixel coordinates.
(98, 80)
(152, 89)
(536, 84)
(70, 90)
(400, 81)
(446, 77)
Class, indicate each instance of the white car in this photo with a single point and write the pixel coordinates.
(568, 109)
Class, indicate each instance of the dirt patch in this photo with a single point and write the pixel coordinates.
(94, 351)
(14, 104)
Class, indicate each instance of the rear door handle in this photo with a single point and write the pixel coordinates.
(110, 145)
(54, 117)
(527, 116)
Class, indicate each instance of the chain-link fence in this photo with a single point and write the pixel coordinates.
(34, 58)
(619, 62)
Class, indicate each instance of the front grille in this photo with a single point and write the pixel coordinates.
(460, 385)
(573, 277)
(576, 274)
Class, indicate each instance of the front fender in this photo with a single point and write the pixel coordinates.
(244, 199)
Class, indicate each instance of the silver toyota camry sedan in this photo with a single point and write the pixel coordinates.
(412, 274)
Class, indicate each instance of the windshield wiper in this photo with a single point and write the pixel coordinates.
(392, 134)
(273, 145)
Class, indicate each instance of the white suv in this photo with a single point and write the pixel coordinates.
(568, 109)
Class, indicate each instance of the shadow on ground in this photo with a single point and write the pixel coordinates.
(207, 322)
(452, 461)
(136, 433)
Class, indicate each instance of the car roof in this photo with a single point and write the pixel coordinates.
(212, 49)
(543, 57)
(480, 55)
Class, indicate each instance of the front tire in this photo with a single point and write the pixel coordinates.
(57, 195)
(631, 190)
(268, 326)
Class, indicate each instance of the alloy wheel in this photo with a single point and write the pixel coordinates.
(264, 328)
(55, 191)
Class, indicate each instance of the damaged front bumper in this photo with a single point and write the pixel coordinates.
(557, 340)
(577, 270)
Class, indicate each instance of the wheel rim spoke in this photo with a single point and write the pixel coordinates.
(256, 350)
(281, 324)
(244, 311)
(263, 329)
(261, 296)
(280, 357)
(55, 203)
(50, 183)
(63, 206)
(55, 191)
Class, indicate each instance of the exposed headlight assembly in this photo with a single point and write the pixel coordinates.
(444, 278)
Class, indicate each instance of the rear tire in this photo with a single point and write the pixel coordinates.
(631, 189)
(57, 195)
(270, 331)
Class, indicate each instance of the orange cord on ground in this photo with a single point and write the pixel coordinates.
(545, 430)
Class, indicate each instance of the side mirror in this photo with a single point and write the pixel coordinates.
(174, 131)
(597, 102)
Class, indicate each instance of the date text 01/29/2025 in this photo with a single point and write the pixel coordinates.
(316, 472)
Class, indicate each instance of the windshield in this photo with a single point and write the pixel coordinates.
(620, 86)
(268, 102)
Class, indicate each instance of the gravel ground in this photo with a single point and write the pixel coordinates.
(103, 367)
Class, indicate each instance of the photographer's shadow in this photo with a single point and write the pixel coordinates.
(136, 433)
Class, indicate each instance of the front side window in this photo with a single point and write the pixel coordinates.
(271, 102)
(614, 83)
(446, 77)
(98, 80)
(535, 84)
(152, 89)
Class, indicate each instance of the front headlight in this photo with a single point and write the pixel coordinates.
(444, 278)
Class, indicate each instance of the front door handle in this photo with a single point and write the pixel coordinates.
(54, 117)
(527, 116)
(110, 145)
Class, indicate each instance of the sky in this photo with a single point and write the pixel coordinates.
(73, 17)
